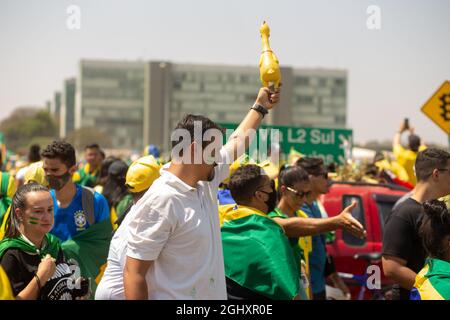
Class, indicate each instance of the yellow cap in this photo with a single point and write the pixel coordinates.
(142, 173)
(36, 173)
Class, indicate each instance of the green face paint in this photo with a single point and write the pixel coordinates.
(33, 220)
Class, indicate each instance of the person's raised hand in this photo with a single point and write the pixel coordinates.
(350, 224)
(268, 99)
(46, 269)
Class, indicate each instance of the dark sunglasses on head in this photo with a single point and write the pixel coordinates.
(298, 193)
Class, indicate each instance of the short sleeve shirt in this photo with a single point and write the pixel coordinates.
(401, 237)
(71, 220)
(21, 266)
(177, 227)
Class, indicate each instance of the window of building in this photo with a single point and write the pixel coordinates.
(301, 81)
(340, 119)
(339, 82)
(305, 99)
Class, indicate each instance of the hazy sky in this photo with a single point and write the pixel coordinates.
(392, 71)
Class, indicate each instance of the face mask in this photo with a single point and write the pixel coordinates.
(58, 182)
(271, 202)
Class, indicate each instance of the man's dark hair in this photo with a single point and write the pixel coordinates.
(92, 146)
(244, 182)
(187, 123)
(60, 150)
(290, 176)
(34, 153)
(434, 228)
(313, 166)
(414, 142)
(428, 160)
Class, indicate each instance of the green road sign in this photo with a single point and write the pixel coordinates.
(333, 145)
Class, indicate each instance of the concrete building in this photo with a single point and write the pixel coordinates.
(110, 97)
(67, 109)
(55, 106)
(310, 97)
(138, 103)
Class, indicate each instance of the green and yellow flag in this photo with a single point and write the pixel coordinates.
(90, 249)
(257, 254)
(433, 281)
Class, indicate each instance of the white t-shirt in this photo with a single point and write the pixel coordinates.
(111, 284)
(177, 227)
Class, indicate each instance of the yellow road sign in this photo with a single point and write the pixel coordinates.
(437, 108)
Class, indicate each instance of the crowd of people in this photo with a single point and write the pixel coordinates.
(224, 227)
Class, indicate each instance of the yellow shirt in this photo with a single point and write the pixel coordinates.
(12, 187)
(395, 167)
(407, 158)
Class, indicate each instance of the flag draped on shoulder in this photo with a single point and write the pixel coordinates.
(257, 254)
(90, 249)
(433, 281)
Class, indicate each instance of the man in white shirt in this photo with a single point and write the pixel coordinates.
(174, 248)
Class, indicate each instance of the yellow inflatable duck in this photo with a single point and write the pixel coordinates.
(269, 67)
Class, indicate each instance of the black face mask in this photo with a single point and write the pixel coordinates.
(271, 202)
(58, 182)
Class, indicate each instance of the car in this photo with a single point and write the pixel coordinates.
(352, 255)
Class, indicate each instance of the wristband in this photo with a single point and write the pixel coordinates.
(259, 108)
(38, 281)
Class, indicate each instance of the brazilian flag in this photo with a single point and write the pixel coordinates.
(90, 249)
(433, 281)
(257, 253)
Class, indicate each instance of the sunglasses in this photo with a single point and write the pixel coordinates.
(298, 193)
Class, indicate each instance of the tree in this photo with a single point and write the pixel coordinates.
(26, 125)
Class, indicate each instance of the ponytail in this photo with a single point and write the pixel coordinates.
(435, 227)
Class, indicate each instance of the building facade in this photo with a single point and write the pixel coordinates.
(139, 103)
(110, 98)
(67, 108)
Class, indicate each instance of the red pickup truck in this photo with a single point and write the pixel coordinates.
(374, 204)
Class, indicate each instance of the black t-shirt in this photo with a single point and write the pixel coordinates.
(21, 268)
(401, 238)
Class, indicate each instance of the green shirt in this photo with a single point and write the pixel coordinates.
(298, 251)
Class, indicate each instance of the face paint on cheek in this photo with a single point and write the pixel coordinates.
(34, 220)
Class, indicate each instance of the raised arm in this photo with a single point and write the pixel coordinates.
(241, 138)
(300, 227)
(398, 135)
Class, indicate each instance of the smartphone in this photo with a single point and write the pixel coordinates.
(406, 123)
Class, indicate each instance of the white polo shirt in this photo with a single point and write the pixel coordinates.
(177, 226)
